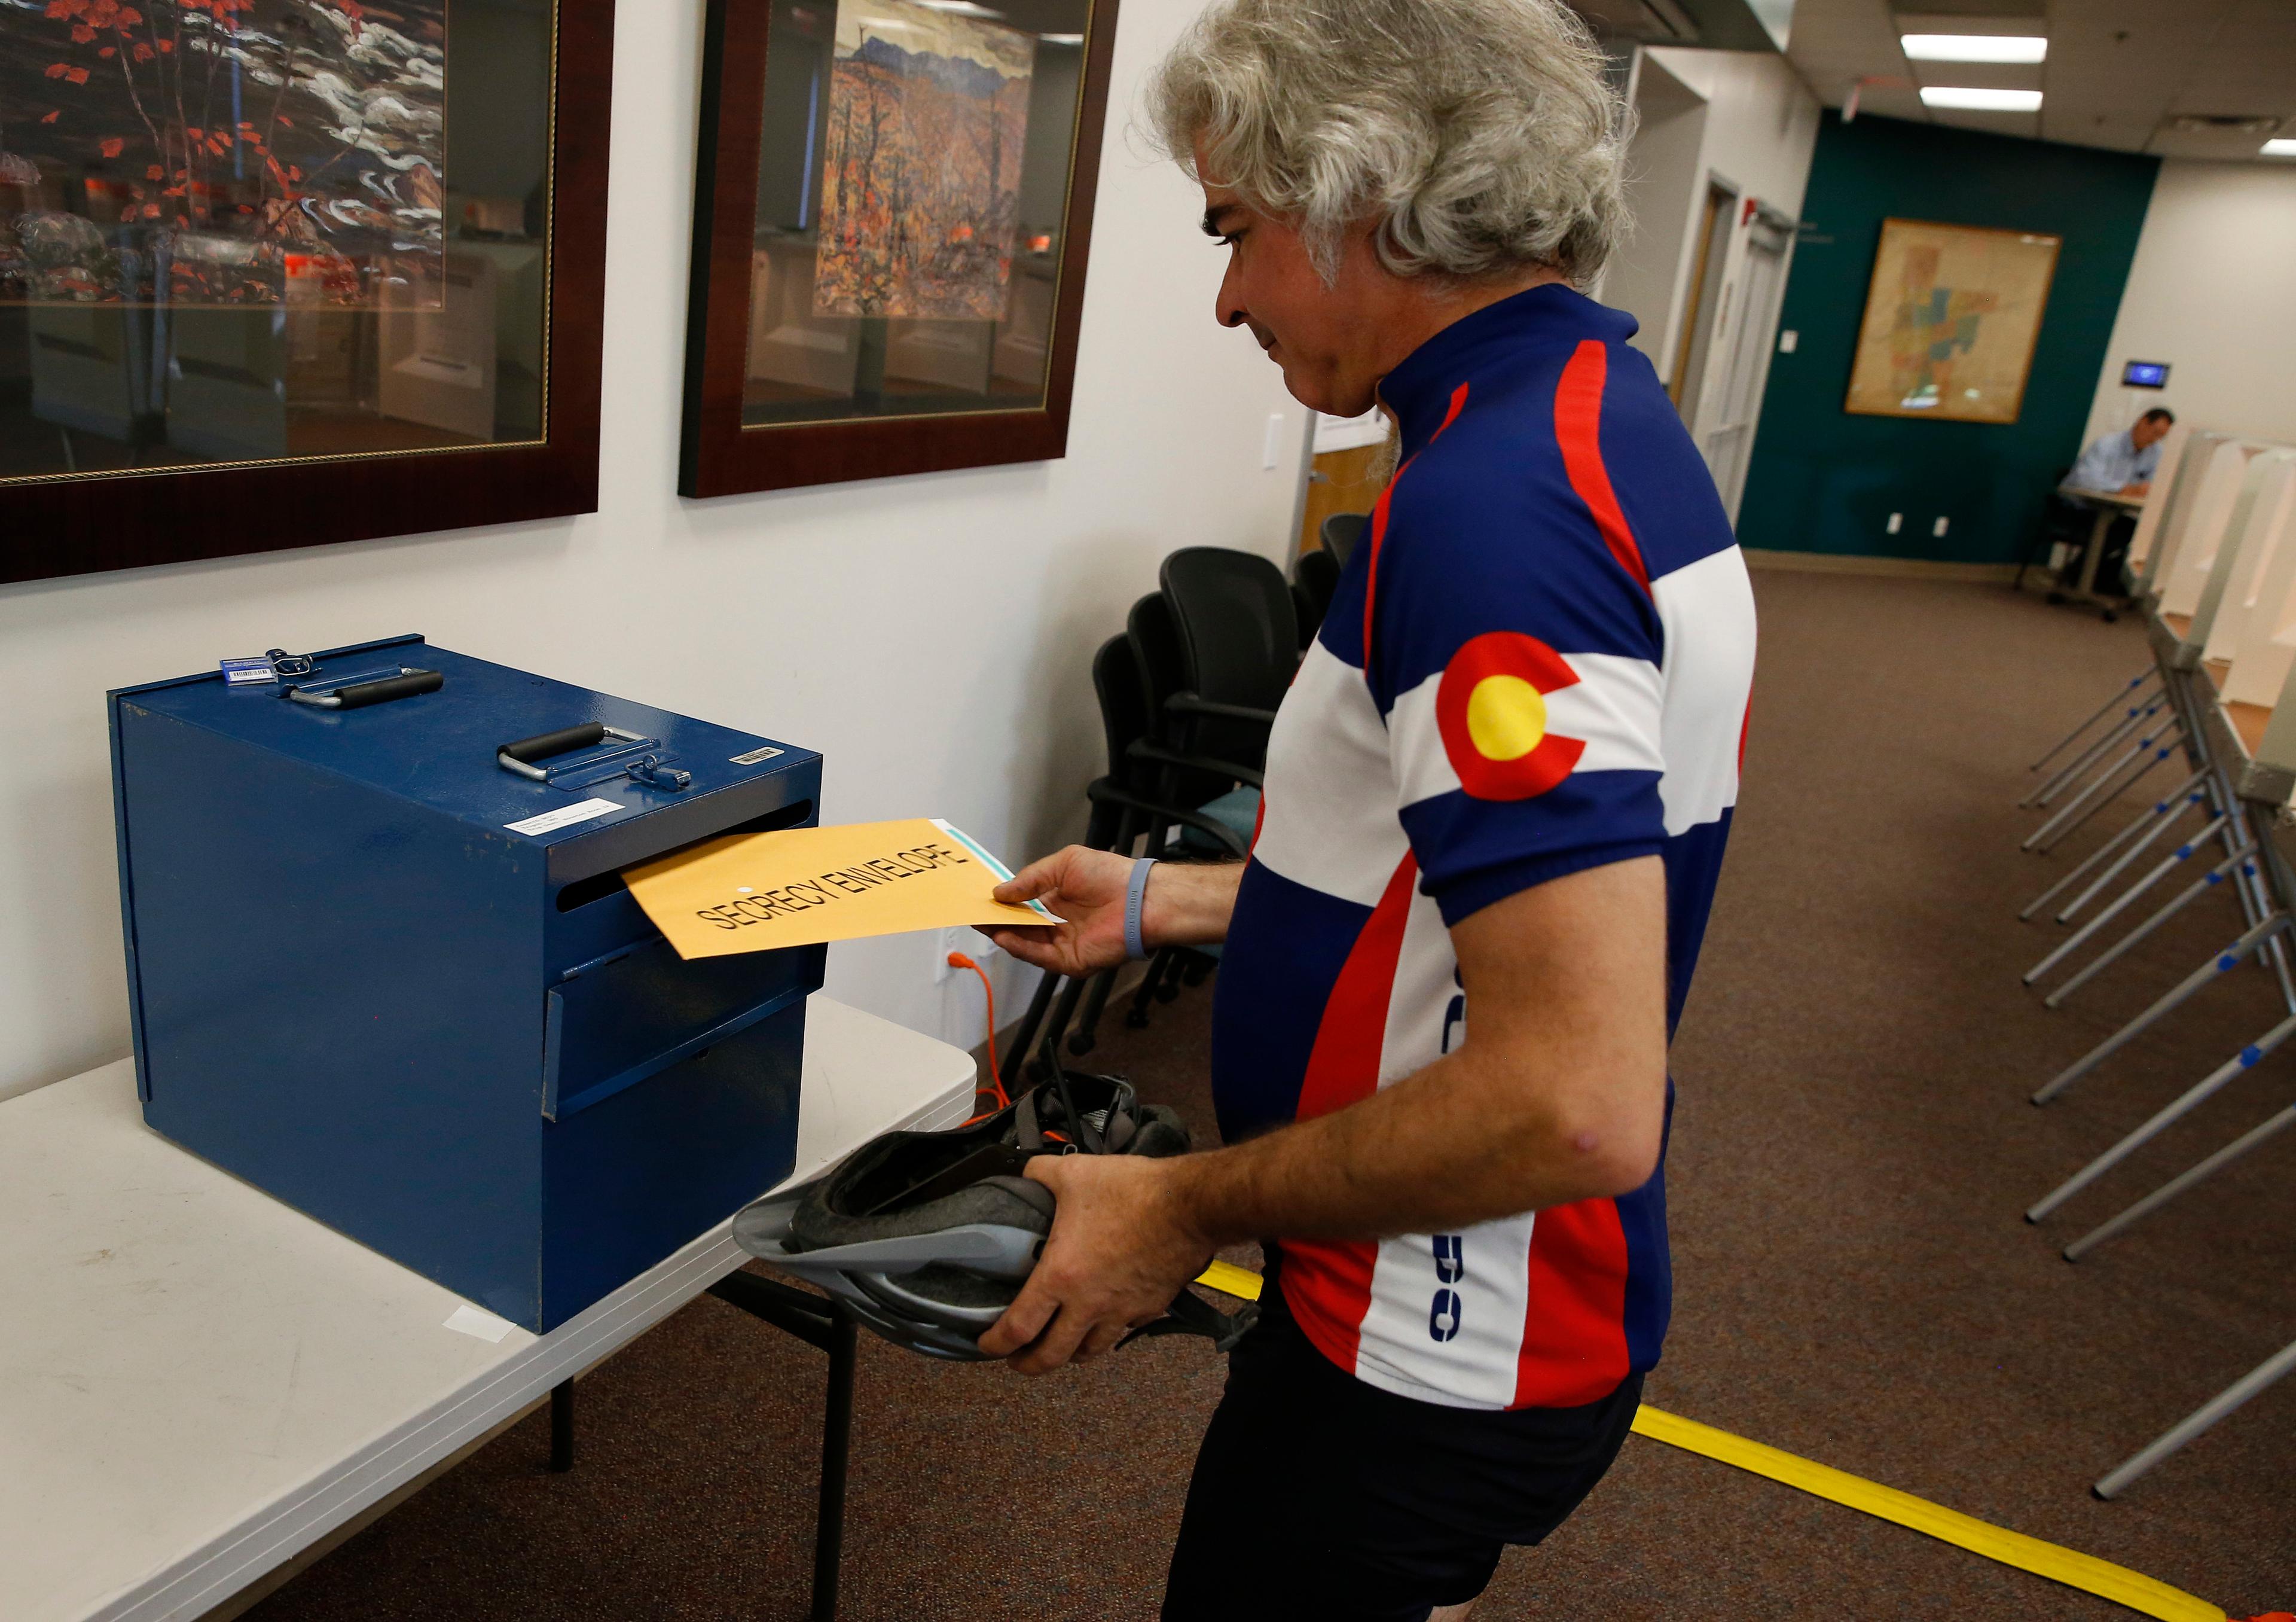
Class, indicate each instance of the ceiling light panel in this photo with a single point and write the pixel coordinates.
(1972, 98)
(1974, 47)
(2282, 148)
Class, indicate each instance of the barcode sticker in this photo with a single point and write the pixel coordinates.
(755, 755)
(565, 816)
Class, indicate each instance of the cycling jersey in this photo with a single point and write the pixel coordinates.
(1538, 661)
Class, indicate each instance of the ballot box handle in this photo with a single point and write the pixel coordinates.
(360, 694)
(519, 757)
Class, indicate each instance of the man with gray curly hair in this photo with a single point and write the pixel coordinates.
(1500, 786)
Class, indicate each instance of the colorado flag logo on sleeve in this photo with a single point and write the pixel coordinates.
(1491, 709)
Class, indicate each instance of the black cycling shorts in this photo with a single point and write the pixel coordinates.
(1316, 1495)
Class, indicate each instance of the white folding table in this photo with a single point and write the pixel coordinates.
(197, 1381)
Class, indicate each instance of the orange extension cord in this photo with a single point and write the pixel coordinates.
(958, 959)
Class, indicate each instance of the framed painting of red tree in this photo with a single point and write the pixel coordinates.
(892, 211)
(274, 272)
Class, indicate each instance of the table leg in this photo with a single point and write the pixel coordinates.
(2093, 552)
(813, 1319)
(836, 1446)
(561, 1426)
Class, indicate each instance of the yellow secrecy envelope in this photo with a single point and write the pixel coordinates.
(759, 892)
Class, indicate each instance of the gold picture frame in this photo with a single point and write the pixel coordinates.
(1953, 313)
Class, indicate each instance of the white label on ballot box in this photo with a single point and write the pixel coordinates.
(565, 816)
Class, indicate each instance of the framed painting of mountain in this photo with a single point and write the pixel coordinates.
(276, 273)
(892, 213)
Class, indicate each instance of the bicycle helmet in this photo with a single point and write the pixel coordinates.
(927, 1237)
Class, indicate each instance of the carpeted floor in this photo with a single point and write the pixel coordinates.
(1852, 1147)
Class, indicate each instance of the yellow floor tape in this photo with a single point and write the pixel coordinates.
(2061, 1565)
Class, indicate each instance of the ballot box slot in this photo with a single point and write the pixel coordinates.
(598, 886)
(630, 1015)
(678, 823)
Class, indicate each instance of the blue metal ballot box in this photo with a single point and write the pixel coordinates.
(383, 964)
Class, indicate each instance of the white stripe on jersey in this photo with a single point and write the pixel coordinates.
(1477, 1366)
(1398, 1351)
(1330, 823)
(1419, 1005)
(1707, 610)
(1614, 708)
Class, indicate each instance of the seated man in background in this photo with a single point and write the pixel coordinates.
(2122, 462)
(1497, 795)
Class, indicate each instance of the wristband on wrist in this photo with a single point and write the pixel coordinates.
(1135, 898)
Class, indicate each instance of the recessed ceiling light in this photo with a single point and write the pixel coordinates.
(1968, 98)
(1975, 47)
(2282, 148)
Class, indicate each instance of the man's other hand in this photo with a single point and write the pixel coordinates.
(1086, 887)
(1121, 1247)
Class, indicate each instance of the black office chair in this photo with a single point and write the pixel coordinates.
(1340, 531)
(1315, 577)
(2060, 521)
(1126, 808)
(1239, 639)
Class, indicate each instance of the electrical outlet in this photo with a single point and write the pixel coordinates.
(1787, 340)
(959, 937)
(1896, 522)
(1938, 529)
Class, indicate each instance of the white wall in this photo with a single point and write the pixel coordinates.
(1759, 129)
(1664, 165)
(931, 635)
(2212, 291)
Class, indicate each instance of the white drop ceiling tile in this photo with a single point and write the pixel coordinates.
(1835, 42)
(2123, 132)
(2027, 17)
(2116, 69)
(2208, 144)
(1888, 101)
(1981, 75)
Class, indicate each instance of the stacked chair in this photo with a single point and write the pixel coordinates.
(1187, 692)
(2213, 566)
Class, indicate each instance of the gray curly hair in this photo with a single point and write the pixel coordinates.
(1479, 136)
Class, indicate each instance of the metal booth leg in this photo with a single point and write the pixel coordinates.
(2122, 697)
(2207, 1414)
(2272, 1128)
(561, 1426)
(2111, 954)
(813, 1319)
(2128, 898)
(2224, 962)
(2149, 825)
(2192, 1098)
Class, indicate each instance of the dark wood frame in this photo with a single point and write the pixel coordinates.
(718, 456)
(1873, 280)
(82, 524)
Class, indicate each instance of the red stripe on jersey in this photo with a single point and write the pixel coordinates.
(1328, 1284)
(1578, 430)
(1379, 518)
(1574, 1335)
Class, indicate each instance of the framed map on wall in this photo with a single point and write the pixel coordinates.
(1951, 318)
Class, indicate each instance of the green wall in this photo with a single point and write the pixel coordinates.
(1824, 481)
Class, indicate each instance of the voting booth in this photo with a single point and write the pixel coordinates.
(383, 964)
